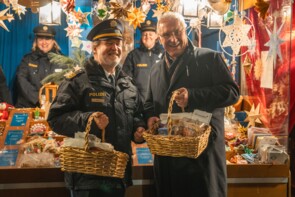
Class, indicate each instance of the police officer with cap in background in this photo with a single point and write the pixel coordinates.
(35, 66)
(139, 61)
(101, 89)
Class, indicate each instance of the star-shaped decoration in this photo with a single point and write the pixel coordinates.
(118, 11)
(80, 17)
(4, 17)
(19, 9)
(135, 17)
(247, 64)
(236, 35)
(157, 13)
(73, 30)
(274, 42)
(67, 5)
(76, 42)
(253, 115)
(77, 68)
(87, 46)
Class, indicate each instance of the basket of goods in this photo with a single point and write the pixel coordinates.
(184, 138)
(102, 160)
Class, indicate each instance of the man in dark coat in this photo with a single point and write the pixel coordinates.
(35, 66)
(139, 61)
(4, 91)
(205, 83)
(103, 89)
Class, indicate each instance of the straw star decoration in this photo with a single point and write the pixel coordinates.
(247, 64)
(274, 42)
(236, 35)
(87, 46)
(135, 17)
(76, 42)
(80, 16)
(253, 115)
(73, 30)
(19, 9)
(8, 17)
(118, 11)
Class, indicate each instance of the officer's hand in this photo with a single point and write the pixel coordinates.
(182, 98)
(152, 121)
(138, 135)
(101, 120)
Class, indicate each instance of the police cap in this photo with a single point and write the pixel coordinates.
(44, 30)
(107, 29)
(148, 26)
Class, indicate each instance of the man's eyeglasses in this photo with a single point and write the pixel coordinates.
(175, 33)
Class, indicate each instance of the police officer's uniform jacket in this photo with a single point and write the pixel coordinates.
(89, 91)
(138, 64)
(34, 67)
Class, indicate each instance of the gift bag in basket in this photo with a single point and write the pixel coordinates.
(175, 145)
(99, 162)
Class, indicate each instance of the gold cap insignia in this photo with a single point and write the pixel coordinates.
(113, 24)
(45, 28)
(148, 22)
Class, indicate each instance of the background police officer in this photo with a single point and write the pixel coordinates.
(104, 90)
(139, 61)
(35, 66)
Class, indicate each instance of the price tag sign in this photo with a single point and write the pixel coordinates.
(19, 119)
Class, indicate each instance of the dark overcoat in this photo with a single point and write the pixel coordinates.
(211, 88)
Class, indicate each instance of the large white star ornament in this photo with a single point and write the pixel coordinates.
(236, 35)
(274, 42)
(253, 115)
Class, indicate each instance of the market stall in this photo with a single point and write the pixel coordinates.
(255, 38)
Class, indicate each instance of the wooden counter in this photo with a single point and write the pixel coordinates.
(243, 181)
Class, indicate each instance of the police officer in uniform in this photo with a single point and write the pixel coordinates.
(139, 61)
(35, 66)
(104, 90)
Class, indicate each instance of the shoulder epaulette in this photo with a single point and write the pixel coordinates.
(71, 74)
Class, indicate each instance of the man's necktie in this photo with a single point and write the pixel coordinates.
(112, 80)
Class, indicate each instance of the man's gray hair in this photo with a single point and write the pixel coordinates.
(171, 16)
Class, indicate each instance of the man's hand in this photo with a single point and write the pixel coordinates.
(138, 135)
(152, 121)
(101, 120)
(182, 98)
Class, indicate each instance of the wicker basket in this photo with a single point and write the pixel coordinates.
(174, 145)
(98, 162)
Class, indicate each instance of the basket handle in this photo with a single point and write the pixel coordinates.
(169, 119)
(87, 130)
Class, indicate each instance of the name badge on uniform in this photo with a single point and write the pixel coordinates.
(57, 70)
(141, 65)
(33, 65)
(97, 97)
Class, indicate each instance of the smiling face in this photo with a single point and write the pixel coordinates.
(108, 53)
(45, 44)
(149, 38)
(172, 36)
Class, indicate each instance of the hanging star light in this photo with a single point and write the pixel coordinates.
(73, 30)
(80, 17)
(4, 17)
(87, 46)
(236, 35)
(253, 115)
(135, 17)
(76, 42)
(274, 42)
